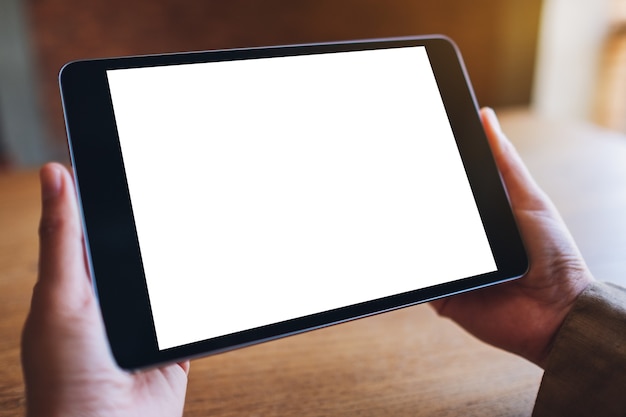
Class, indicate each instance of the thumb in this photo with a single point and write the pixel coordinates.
(63, 312)
(523, 191)
(63, 274)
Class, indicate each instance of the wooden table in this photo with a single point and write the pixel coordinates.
(408, 362)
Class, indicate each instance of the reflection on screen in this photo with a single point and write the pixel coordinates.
(269, 189)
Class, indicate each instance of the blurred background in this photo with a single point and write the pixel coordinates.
(561, 58)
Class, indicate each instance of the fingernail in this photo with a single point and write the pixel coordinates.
(50, 177)
(493, 118)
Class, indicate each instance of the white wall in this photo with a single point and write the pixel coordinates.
(570, 43)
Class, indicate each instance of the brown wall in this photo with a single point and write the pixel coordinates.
(497, 37)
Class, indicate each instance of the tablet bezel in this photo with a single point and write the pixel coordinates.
(110, 234)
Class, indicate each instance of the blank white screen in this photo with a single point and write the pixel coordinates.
(269, 189)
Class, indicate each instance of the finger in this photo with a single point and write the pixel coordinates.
(62, 269)
(186, 366)
(524, 192)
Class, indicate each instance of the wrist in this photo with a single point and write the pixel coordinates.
(558, 315)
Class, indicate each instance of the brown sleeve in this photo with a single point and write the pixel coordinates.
(586, 370)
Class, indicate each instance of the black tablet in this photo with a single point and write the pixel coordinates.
(237, 196)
